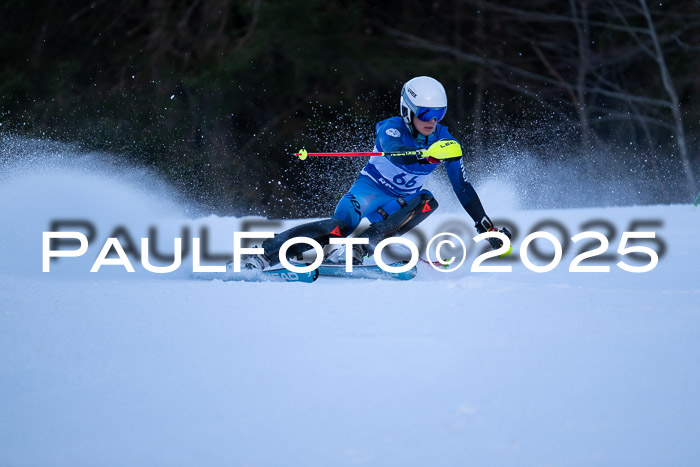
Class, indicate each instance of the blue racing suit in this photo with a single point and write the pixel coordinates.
(386, 178)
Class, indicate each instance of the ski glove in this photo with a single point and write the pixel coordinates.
(485, 225)
(443, 149)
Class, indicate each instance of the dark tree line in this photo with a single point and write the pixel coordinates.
(216, 94)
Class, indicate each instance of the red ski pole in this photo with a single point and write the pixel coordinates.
(303, 154)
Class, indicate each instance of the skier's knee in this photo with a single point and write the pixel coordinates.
(422, 202)
(425, 203)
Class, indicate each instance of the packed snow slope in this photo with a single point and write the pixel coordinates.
(450, 369)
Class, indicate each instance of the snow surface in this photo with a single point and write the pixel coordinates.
(487, 369)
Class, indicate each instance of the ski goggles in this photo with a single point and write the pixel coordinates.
(425, 114)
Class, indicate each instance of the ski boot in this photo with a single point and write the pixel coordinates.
(256, 262)
(358, 254)
(337, 256)
(252, 263)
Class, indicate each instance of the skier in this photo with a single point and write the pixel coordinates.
(389, 190)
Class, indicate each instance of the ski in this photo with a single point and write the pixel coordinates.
(286, 275)
(369, 271)
(281, 274)
(274, 274)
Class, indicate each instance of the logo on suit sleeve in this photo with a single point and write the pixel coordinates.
(393, 132)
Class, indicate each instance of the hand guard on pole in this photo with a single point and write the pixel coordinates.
(485, 225)
(443, 149)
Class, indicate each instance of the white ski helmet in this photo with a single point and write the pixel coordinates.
(423, 97)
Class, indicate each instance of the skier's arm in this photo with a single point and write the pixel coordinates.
(465, 191)
(470, 200)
